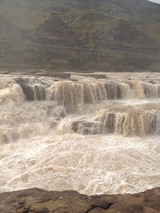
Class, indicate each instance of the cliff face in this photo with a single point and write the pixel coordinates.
(40, 201)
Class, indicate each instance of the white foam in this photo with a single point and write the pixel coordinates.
(39, 149)
(90, 164)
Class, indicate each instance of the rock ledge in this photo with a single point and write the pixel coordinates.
(40, 201)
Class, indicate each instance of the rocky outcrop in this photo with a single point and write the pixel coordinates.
(31, 90)
(40, 201)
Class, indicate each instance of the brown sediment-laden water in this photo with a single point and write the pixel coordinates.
(94, 135)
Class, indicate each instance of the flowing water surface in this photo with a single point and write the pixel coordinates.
(91, 135)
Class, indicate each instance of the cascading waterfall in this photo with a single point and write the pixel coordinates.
(94, 136)
(131, 121)
(73, 95)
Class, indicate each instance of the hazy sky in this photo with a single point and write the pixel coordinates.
(157, 1)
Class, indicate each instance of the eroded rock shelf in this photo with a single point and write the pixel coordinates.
(40, 201)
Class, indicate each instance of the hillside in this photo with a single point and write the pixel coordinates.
(8, 31)
(55, 32)
(117, 29)
(100, 17)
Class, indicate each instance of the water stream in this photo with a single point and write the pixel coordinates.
(91, 135)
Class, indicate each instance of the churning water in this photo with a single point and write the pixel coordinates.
(91, 135)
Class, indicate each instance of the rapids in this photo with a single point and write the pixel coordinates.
(91, 135)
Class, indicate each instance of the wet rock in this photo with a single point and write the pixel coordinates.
(61, 75)
(129, 209)
(98, 210)
(41, 201)
(22, 81)
(73, 79)
(97, 76)
(74, 126)
(100, 202)
(151, 82)
(28, 91)
(41, 72)
(85, 127)
(31, 90)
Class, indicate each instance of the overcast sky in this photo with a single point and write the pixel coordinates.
(157, 1)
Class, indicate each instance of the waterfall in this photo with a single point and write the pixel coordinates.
(55, 100)
(91, 135)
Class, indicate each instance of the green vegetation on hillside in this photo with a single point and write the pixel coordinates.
(109, 34)
(80, 14)
(91, 26)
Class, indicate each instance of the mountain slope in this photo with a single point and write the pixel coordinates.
(95, 32)
(56, 33)
(9, 31)
(127, 35)
(30, 14)
(143, 15)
